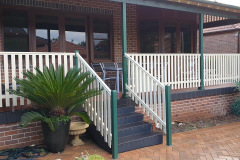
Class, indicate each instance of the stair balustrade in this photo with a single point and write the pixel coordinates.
(178, 70)
(98, 107)
(147, 92)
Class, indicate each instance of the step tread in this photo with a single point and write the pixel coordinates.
(125, 110)
(125, 106)
(124, 126)
(125, 102)
(136, 137)
(128, 114)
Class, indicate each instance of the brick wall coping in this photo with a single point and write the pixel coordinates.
(12, 117)
(202, 93)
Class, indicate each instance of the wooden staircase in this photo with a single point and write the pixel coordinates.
(133, 132)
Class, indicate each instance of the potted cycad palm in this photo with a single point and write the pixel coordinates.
(60, 97)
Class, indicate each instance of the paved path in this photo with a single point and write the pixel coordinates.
(215, 143)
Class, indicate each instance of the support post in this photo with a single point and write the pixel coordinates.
(168, 115)
(124, 48)
(114, 124)
(76, 59)
(201, 15)
(238, 42)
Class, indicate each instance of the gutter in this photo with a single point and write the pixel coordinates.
(218, 4)
(221, 30)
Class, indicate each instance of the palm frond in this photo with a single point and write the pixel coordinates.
(30, 117)
(84, 116)
(55, 90)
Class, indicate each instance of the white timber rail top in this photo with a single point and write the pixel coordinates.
(147, 92)
(98, 107)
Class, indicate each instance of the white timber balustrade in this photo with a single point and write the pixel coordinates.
(98, 107)
(178, 70)
(147, 91)
(13, 64)
(221, 69)
(183, 70)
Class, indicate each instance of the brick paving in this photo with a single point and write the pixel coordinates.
(215, 143)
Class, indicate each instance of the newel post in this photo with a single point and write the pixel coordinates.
(124, 48)
(168, 115)
(201, 15)
(114, 124)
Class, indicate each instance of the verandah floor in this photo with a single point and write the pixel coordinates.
(215, 143)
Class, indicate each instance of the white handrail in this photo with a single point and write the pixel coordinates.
(38, 53)
(98, 107)
(147, 91)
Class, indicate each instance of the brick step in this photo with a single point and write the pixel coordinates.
(129, 118)
(125, 109)
(141, 140)
(133, 132)
(134, 128)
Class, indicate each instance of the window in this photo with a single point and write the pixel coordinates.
(47, 34)
(170, 40)
(101, 38)
(15, 30)
(149, 37)
(186, 40)
(75, 34)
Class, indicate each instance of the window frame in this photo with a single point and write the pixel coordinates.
(92, 59)
(164, 21)
(139, 32)
(32, 12)
(2, 28)
(86, 31)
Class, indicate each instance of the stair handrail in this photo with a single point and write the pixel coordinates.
(151, 92)
(99, 107)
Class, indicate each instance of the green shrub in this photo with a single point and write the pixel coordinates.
(90, 157)
(235, 107)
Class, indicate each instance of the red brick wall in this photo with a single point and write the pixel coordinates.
(202, 108)
(183, 110)
(199, 108)
(132, 28)
(11, 135)
(221, 42)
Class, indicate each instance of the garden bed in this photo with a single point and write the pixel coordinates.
(182, 127)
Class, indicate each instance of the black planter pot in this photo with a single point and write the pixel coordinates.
(57, 140)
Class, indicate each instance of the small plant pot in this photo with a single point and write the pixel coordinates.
(154, 127)
(56, 141)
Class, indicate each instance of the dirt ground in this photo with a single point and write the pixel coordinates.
(182, 127)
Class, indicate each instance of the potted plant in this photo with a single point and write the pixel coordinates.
(60, 97)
